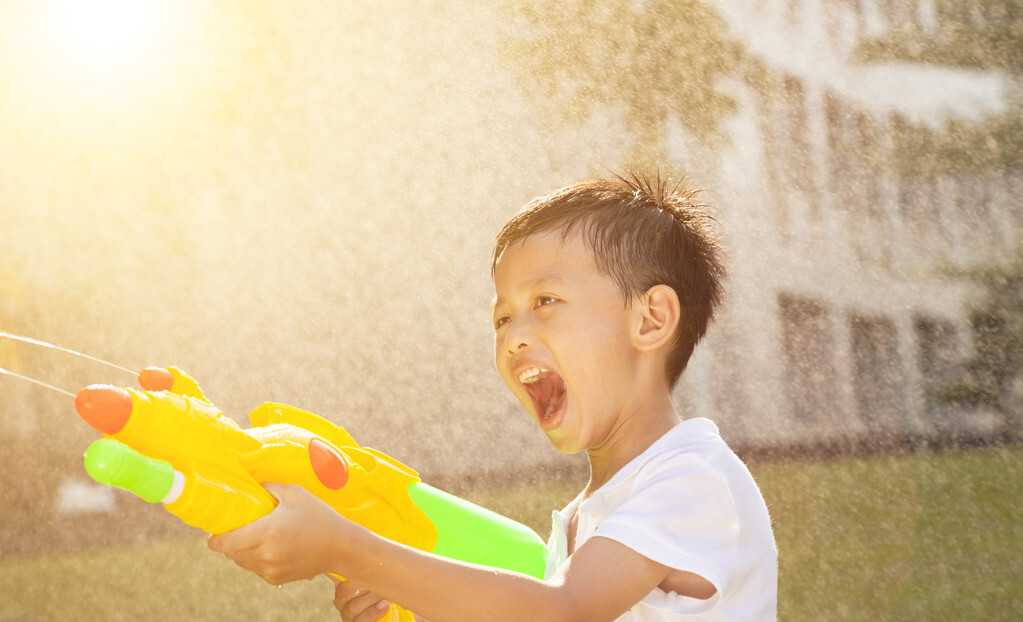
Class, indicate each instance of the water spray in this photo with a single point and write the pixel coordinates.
(150, 377)
(36, 382)
(46, 344)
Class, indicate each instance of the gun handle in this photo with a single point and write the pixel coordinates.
(216, 502)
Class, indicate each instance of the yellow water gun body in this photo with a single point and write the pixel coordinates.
(169, 444)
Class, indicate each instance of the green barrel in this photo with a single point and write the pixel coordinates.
(113, 463)
(470, 533)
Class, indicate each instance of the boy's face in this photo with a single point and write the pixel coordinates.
(555, 311)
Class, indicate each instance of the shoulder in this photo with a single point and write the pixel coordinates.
(675, 489)
(674, 461)
(693, 445)
(685, 471)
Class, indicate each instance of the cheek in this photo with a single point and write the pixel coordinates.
(504, 374)
(601, 367)
(601, 347)
(497, 356)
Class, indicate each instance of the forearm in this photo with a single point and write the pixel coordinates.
(447, 591)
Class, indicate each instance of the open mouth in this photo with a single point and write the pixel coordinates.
(548, 395)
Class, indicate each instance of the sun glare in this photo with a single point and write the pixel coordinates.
(101, 39)
(92, 67)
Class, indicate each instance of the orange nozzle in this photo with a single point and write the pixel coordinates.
(329, 467)
(156, 379)
(106, 408)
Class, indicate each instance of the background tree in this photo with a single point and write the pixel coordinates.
(993, 377)
(981, 35)
(655, 59)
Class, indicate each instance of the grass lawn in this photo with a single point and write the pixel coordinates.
(905, 537)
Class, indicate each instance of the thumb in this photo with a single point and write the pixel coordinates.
(213, 542)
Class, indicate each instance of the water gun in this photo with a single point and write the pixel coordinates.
(169, 444)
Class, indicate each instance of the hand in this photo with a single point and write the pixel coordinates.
(303, 537)
(357, 604)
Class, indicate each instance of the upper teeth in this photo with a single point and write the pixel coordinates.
(530, 375)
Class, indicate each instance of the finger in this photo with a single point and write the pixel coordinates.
(253, 565)
(244, 538)
(346, 590)
(374, 612)
(251, 560)
(353, 607)
(227, 545)
(272, 573)
(359, 604)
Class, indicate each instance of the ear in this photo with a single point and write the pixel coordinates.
(657, 314)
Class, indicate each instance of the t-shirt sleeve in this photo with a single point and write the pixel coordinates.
(680, 513)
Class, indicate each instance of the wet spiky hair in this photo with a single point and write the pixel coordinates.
(642, 233)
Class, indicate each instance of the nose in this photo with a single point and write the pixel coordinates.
(517, 338)
(521, 346)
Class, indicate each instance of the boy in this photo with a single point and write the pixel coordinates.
(603, 290)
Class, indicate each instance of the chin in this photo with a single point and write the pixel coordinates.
(565, 445)
(569, 451)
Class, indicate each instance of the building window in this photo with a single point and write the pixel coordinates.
(1014, 190)
(873, 243)
(796, 126)
(878, 375)
(955, 13)
(937, 355)
(994, 13)
(768, 105)
(839, 155)
(869, 164)
(974, 214)
(919, 200)
(798, 162)
(808, 344)
(792, 11)
(856, 162)
(857, 11)
(900, 13)
(907, 190)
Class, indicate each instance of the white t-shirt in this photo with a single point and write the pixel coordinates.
(690, 503)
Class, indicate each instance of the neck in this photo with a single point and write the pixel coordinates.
(636, 427)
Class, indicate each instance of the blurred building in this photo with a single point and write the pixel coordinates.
(843, 313)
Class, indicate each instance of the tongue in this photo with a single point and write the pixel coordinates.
(548, 393)
(554, 403)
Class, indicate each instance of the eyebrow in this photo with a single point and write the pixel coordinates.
(550, 278)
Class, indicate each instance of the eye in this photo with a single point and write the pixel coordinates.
(543, 301)
(501, 321)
